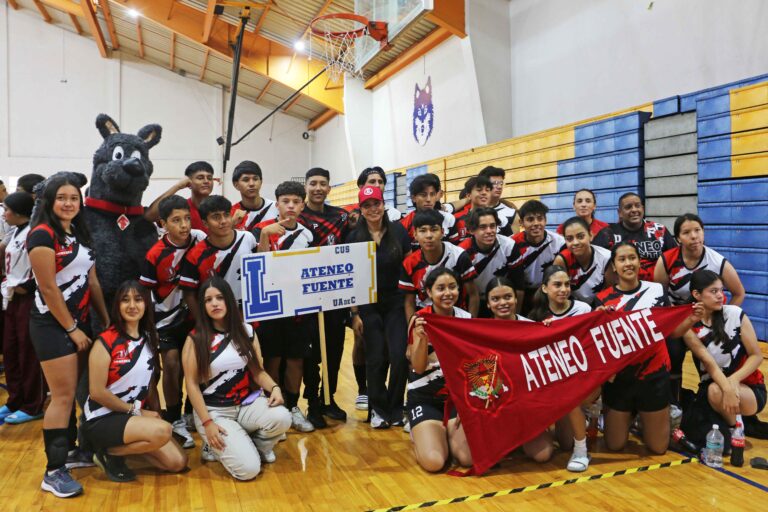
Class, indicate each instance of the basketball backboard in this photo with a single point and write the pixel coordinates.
(397, 13)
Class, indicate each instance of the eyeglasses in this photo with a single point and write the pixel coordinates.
(497, 183)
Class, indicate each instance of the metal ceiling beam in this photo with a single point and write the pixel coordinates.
(90, 16)
(449, 15)
(210, 17)
(268, 59)
(76, 24)
(43, 11)
(433, 39)
(321, 119)
(110, 24)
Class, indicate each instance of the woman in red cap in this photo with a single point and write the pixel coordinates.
(383, 324)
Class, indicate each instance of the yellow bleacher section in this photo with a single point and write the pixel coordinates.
(749, 113)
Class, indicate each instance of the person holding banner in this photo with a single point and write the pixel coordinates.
(221, 363)
(644, 386)
(434, 442)
(552, 302)
(502, 303)
(726, 352)
(382, 324)
(587, 264)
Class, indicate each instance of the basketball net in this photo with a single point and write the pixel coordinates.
(340, 32)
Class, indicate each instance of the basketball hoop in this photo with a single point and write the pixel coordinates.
(339, 32)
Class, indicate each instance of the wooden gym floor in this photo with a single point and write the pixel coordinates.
(351, 467)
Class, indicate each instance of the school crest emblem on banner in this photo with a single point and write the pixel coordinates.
(486, 382)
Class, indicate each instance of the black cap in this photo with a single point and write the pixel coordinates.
(20, 203)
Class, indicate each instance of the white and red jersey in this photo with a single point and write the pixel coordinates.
(131, 368)
(160, 273)
(449, 230)
(576, 308)
(587, 281)
(73, 264)
(18, 270)
(494, 262)
(416, 268)
(506, 218)
(429, 384)
(531, 259)
(230, 377)
(680, 275)
(729, 354)
(299, 237)
(268, 211)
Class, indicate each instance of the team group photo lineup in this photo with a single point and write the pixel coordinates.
(388, 296)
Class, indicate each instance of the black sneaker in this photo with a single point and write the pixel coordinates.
(753, 427)
(79, 458)
(114, 467)
(334, 412)
(315, 416)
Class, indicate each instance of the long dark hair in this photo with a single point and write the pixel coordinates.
(147, 322)
(44, 210)
(540, 309)
(700, 280)
(205, 331)
(388, 243)
(498, 281)
(686, 217)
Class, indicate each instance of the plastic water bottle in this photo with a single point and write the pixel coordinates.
(737, 446)
(713, 453)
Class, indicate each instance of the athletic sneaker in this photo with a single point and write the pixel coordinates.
(299, 421)
(378, 422)
(61, 483)
(79, 458)
(282, 437)
(207, 454)
(268, 457)
(407, 425)
(578, 463)
(189, 419)
(333, 411)
(315, 415)
(180, 429)
(400, 421)
(361, 403)
(675, 417)
(114, 467)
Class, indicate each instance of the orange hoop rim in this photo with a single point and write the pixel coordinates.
(376, 29)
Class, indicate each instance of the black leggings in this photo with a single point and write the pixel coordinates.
(385, 334)
(677, 349)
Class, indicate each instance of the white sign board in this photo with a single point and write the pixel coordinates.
(288, 283)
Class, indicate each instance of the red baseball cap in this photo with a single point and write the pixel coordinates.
(369, 192)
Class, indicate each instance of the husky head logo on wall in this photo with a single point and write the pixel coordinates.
(423, 113)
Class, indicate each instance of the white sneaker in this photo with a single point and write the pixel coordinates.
(207, 454)
(361, 403)
(268, 457)
(675, 417)
(578, 463)
(180, 429)
(407, 425)
(299, 421)
(378, 422)
(282, 437)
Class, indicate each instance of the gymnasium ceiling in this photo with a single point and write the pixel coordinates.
(185, 36)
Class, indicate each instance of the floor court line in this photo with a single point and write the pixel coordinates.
(530, 488)
(730, 473)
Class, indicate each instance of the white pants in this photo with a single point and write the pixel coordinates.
(241, 452)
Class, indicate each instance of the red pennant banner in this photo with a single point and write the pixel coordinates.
(511, 380)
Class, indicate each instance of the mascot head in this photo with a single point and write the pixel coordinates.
(121, 165)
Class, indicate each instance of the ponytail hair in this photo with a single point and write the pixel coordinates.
(540, 309)
(700, 280)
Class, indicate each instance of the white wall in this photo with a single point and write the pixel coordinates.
(53, 83)
(330, 150)
(573, 59)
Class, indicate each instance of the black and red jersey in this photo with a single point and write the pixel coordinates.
(594, 228)
(267, 211)
(299, 237)
(131, 367)
(462, 216)
(587, 281)
(449, 228)
(494, 262)
(160, 273)
(651, 240)
(194, 216)
(430, 384)
(680, 275)
(729, 354)
(532, 259)
(73, 264)
(506, 219)
(330, 226)
(205, 260)
(646, 295)
(416, 267)
(230, 377)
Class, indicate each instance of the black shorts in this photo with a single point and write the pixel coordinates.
(760, 395)
(50, 340)
(105, 431)
(174, 337)
(289, 338)
(647, 395)
(424, 410)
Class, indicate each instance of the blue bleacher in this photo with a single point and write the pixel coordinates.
(742, 236)
(688, 101)
(632, 158)
(742, 258)
(666, 106)
(750, 189)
